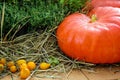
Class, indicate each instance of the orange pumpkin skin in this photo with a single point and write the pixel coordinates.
(90, 4)
(100, 3)
(95, 42)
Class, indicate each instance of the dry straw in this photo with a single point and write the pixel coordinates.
(39, 47)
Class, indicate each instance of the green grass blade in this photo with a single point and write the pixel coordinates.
(2, 20)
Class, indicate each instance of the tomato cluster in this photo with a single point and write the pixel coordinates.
(24, 67)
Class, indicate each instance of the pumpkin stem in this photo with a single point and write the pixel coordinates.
(93, 18)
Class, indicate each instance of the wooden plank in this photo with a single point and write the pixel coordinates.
(103, 73)
(98, 73)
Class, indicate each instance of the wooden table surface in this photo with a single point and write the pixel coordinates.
(98, 73)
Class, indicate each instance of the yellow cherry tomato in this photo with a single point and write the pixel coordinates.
(13, 69)
(31, 65)
(21, 61)
(10, 63)
(23, 65)
(24, 73)
(44, 65)
(3, 61)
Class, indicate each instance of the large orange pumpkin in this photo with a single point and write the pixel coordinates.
(91, 38)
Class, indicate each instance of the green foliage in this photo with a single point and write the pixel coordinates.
(73, 5)
(53, 61)
(36, 14)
